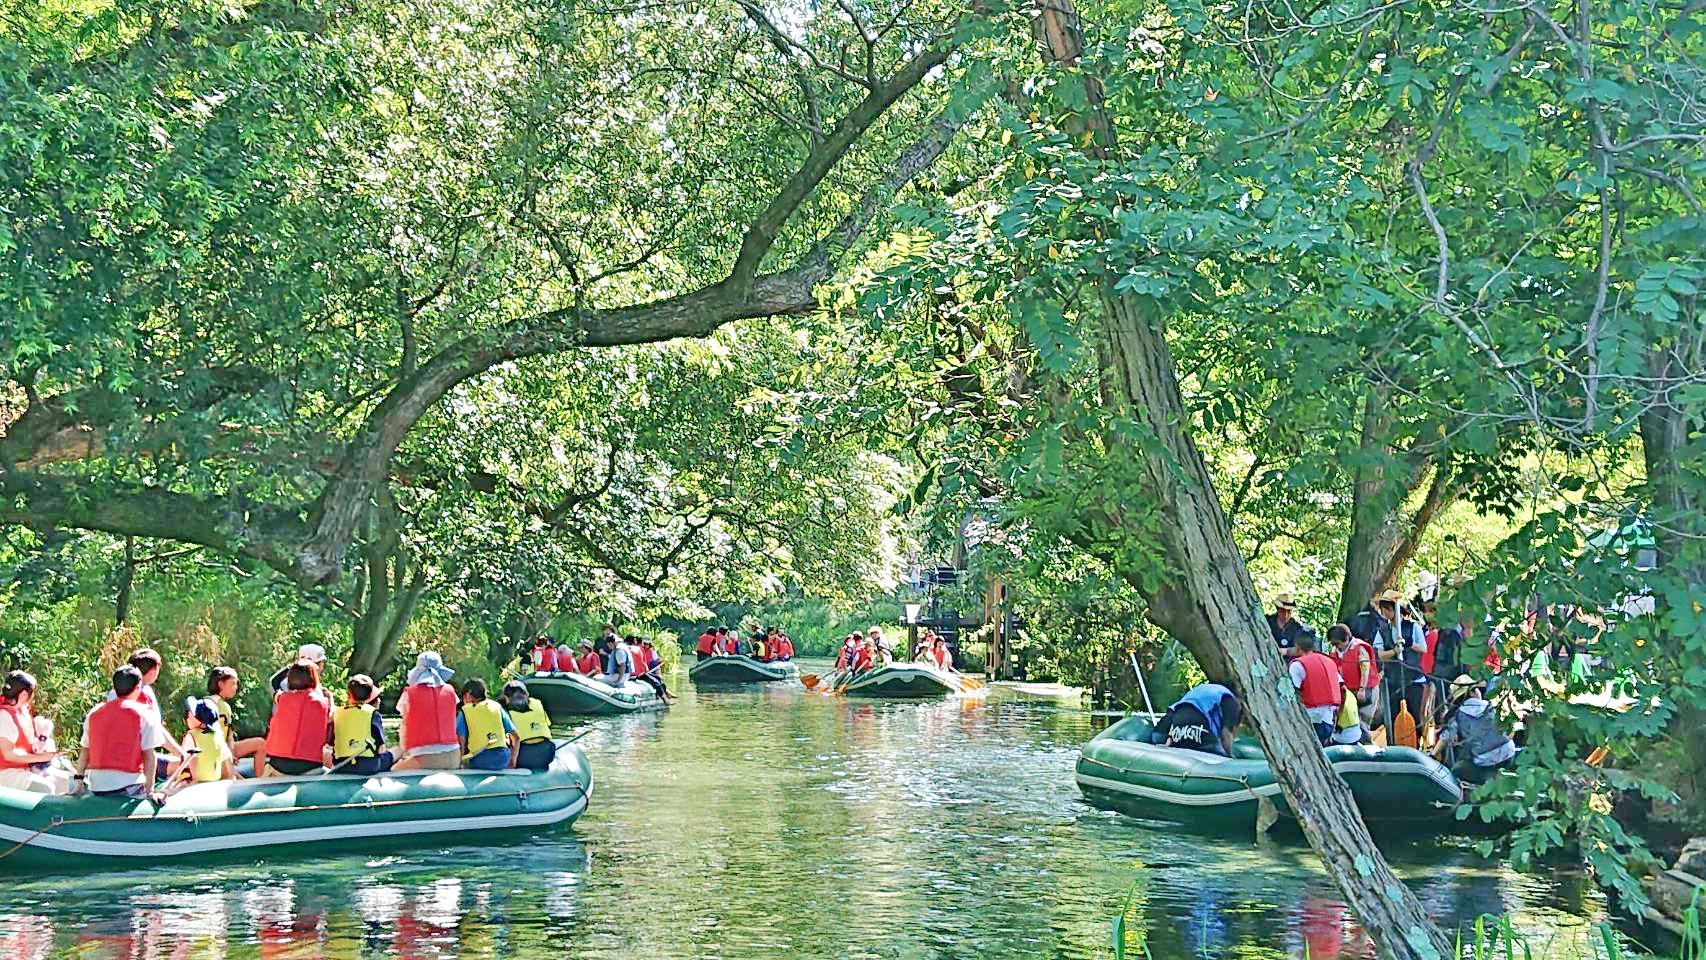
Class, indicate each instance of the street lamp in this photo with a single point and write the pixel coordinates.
(911, 610)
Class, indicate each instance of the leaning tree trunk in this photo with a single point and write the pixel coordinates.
(1213, 597)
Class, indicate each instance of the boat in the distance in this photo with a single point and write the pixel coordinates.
(739, 669)
(1395, 787)
(311, 813)
(566, 693)
(913, 681)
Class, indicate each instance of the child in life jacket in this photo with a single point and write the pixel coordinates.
(206, 746)
(358, 734)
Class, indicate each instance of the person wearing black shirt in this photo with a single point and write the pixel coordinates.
(1285, 626)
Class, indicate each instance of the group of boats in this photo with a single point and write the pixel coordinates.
(1120, 769)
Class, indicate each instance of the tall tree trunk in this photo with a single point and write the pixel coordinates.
(1676, 482)
(1212, 597)
(1382, 540)
(126, 583)
(389, 585)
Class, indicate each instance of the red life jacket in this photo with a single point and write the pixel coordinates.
(544, 659)
(707, 643)
(941, 657)
(565, 659)
(1427, 658)
(431, 716)
(1350, 664)
(787, 648)
(114, 732)
(1321, 684)
(642, 660)
(865, 659)
(845, 659)
(297, 730)
(26, 740)
(588, 664)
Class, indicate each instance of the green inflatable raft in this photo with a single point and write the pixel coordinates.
(565, 693)
(1395, 787)
(311, 813)
(738, 669)
(911, 681)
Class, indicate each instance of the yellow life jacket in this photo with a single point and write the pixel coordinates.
(227, 722)
(209, 764)
(532, 725)
(1348, 716)
(485, 722)
(352, 732)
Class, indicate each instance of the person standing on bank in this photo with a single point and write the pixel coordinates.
(1285, 626)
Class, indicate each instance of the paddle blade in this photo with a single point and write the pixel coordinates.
(810, 680)
(1404, 728)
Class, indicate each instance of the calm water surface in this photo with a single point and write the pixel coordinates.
(776, 823)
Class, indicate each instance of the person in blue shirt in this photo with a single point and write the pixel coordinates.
(1202, 720)
(489, 740)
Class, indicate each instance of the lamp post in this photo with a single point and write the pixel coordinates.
(910, 611)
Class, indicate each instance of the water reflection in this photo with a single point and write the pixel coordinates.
(764, 824)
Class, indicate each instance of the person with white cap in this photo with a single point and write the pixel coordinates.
(1285, 626)
(311, 653)
(428, 707)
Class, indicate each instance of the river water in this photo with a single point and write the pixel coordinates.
(775, 823)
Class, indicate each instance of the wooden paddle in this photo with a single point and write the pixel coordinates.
(1403, 727)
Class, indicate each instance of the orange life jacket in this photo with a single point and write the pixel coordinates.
(865, 659)
(430, 717)
(114, 731)
(1321, 684)
(940, 657)
(707, 643)
(297, 730)
(26, 740)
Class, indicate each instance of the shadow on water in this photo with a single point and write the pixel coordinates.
(769, 823)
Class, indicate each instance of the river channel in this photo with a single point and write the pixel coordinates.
(775, 823)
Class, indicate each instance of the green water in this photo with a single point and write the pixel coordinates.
(775, 823)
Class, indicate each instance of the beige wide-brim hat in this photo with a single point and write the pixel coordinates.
(1285, 601)
(1390, 596)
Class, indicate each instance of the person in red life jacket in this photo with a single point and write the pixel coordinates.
(428, 707)
(565, 661)
(785, 644)
(149, 664)
(119, 740)
(849, 651)
(1316, 677)
(24, 765)
(1359, 668)
(648, 666)
(589, 664)
(543, 655)
(938, 654)
(706, 648)
(866, 657)
(300, 728)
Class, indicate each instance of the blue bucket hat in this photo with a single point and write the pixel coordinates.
(430, 670)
